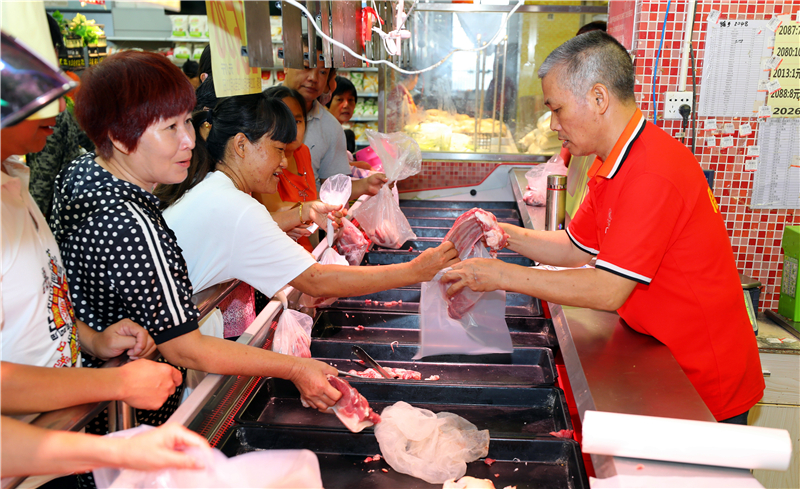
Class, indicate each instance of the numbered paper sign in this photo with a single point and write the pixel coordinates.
(232, 72)
(784, 79)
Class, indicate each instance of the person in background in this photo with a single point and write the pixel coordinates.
(29, 450)
(204, 65)
(324, 136)
(225, 233)
(190, 69)
(342, 104)
(597, 25)
(67, 142)
(649, 218)
(127, 259)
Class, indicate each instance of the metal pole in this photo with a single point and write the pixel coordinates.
(483, 92)
(494, 77)
(477, 79)
(503, 92)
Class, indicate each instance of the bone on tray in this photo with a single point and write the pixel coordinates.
(352, 408)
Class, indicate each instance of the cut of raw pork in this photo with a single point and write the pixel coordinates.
(352, 243)
(473, 225)
(397, 373)
(467, 231)
(352, 408)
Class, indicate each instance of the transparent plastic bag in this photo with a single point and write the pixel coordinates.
(431, 446)
(480, 331)
(536, 193)
(329, 257)
(383, 221)
(293, 334)
(267, 469)
(352, 243)
(399, 154)
(335, 190)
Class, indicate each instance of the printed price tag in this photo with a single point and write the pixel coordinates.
(753, 151)
(726, 142)
(773, 62)
(745, 129)
(711, 141)
(710, 125)
(773, 86)
(751, 165)
(762, 84)
(678, 134)
(774, 23)
(728, 128)
(713, 17)
(764, 112)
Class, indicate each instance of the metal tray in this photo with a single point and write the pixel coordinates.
(516, 304)
(510, 412)
(540, 463)
(393, 326)
(451, 213)
(525, 366)
(447, 222)
(379, 256)
(450, 204)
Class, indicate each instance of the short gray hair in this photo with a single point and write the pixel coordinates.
(594, 57)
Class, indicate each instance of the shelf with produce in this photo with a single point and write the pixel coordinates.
(187, 39)
(364, 118)
(372, 94)
(157, 39)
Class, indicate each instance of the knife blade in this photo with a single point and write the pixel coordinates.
(364, 357)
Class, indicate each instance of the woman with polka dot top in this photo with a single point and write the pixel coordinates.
(121, 257)
(227, 234)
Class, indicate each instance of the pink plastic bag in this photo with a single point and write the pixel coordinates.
(329, 257)
(293, 334)
(380, 216)
(352, 243)
(537, 180)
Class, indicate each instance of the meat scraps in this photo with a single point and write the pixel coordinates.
(466, 232)
(397, 373)
(473, 225)
(562, 434)
(352, 409)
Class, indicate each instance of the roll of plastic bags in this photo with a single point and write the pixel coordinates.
(293, 334)
(431, 446)
(264, 469)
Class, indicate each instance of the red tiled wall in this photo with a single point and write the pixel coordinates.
(446, 174)
(755, 234)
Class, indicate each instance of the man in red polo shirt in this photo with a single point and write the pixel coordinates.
(664, 260)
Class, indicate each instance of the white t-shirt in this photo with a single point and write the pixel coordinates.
(325, 140)
(37, 321)
(226, 234)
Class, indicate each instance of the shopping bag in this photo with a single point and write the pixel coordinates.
(293, 334)
(536, 193)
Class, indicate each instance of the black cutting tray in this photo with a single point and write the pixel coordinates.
(507, 215)
(452, 204)
(507, 412)
(393, 326)
(540, 463)
(523, 367)
(447, 222)
(379, 256)
(516, 304)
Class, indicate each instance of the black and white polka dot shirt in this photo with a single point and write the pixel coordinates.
(122, 260)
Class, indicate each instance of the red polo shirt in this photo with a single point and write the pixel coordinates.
(651, 217)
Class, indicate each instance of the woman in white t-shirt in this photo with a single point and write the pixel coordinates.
(226, 234)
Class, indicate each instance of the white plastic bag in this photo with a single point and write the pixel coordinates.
(383, 220)
(267, 468)
(329, 257)
(352, 243)
(480, 331)
(431, 446)
(537, 179)
(335, 190)
(293, 334)
(380, 216)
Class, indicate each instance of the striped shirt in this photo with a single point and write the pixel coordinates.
(122, 260)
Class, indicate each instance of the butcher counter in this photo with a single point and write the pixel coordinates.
(610, 368)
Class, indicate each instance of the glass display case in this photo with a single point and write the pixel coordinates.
(461, 106)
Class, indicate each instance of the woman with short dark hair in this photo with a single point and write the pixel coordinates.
(120, 254)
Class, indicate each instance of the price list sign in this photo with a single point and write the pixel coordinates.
(784, 79)
(776, 184)
(232, 72)
(732, 72)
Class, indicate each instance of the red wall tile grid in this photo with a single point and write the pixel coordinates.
(755, 233)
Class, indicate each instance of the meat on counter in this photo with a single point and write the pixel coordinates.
(352, 408)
